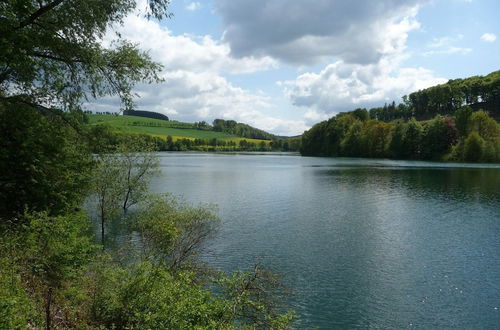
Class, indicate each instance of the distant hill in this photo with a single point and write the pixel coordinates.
(145, 114)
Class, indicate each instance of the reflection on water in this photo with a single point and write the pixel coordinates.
(362, 243)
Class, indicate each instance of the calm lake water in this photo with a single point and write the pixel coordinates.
(361, 243)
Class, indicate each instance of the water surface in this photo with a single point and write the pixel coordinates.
(361, 243)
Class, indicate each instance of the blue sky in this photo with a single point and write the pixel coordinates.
(284, 65)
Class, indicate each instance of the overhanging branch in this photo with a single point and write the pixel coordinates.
(41, 11)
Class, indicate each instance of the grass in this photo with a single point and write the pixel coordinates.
(162, 128)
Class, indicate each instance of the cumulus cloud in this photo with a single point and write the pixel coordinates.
(302, 32)
(343, 86)
(186, 52)
(194, 88)
(205, 96)
(488, 37)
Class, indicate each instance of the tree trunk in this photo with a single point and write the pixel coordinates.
(102, 226)
(125, 206)
(47, 309)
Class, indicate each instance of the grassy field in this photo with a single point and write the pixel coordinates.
(161, 128)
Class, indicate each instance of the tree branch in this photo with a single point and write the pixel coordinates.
(41, 11)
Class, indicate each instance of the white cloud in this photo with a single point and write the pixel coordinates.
(194, 89)
(343, 86)
(186, 52)
(446, 46)
(488, 37)
(206, 96)
(193, 6)
(313, 116)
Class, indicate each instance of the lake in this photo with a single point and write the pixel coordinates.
(362, 243)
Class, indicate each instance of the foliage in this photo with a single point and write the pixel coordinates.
(16, 308)
(107, 188)
(437, 139)
(439, 135)
(52, 51)
(472, 93)
(477, 92)
(121, 178)
(145, 296)
(377, 137)
(484, 125)
(140, 164)
(174, 232)
(51, 273)
(482, 144)
(412, 139)
(251, 299)
(183, 136)
(352, 144)
(53, 269)
(462, 116)
(44, 161)
(240, 129)
(45, 253)
(473, 147)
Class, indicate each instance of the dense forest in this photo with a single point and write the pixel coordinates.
(439, 123)
(145, 114)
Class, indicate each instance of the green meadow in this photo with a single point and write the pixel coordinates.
(162, 128)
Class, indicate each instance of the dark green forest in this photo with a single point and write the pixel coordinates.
(451, 122)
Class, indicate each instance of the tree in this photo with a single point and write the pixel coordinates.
(174, 231)
(484, 125)
(139, 163)
(53, 250)
(462, 116)
(438, 136)
(121, 178)
(352, 144)
(44, 161)
(107, 187)
(377, 137)
(473, 147)
(52, 51)
(396, 147)
(412, 139)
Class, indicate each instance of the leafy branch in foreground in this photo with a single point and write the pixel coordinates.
(53, 54)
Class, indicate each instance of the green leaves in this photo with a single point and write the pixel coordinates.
(44, 162)
(173, 232)
(121, 178)
(52, 51)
